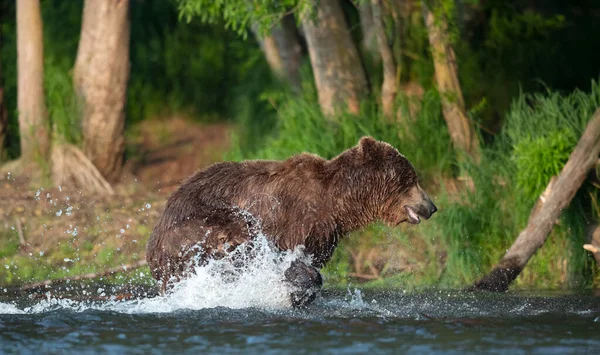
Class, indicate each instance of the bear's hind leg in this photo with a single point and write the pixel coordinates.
(306, 281)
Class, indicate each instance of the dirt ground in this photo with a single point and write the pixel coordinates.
(170, 150)
(53, 232)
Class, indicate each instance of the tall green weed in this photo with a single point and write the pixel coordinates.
(62, 102)
(301, 127)
(540, 132)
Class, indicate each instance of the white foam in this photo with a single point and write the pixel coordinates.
(258, 281)
(7, 308)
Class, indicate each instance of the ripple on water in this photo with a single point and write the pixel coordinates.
(340, 321)
(231, 309)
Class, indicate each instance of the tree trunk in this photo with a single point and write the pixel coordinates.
(338, 70)
(367, 25)
(283, 51)
(33, 119)
(3, 122)
(3, 110)
(401, 11)
(557, 197)
(101, 75)
(388, 88)
(446, 74)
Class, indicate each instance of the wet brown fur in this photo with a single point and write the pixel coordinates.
(304, 200)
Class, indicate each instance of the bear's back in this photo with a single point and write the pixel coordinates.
(290, 182)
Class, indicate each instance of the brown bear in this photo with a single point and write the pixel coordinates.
(302, 201)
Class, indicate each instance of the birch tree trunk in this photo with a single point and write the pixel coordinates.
(558, 196)
(283, 51)
(388, 88)
(446, 73)
(338, 70)
(33, 119)
(101, 75)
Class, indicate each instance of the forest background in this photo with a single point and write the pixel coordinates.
(106, 105)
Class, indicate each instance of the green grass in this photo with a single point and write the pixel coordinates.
(540, 132)
(67, 261)
(62, 102)
(475, 226)
(9, 241)
(301, 127)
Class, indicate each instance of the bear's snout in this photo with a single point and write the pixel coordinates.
(427, 207)
(421, 206)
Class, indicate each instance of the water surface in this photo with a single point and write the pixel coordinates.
(338, 322)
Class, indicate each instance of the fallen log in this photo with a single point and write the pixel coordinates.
(558, 196)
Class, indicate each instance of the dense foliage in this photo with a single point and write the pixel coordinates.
(241, 15)
(199, 70)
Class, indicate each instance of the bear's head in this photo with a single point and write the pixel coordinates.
(394, 184)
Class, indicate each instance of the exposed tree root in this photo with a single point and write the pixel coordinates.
(70, 167)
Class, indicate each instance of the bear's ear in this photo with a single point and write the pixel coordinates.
(367, 145)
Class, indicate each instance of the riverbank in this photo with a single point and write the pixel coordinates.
(57, 232)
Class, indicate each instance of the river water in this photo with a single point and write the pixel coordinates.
(348, 321)
(243, 307)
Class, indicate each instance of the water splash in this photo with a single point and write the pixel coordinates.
(252, 275)
(7, 308)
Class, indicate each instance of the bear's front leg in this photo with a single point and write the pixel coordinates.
(306, 282)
